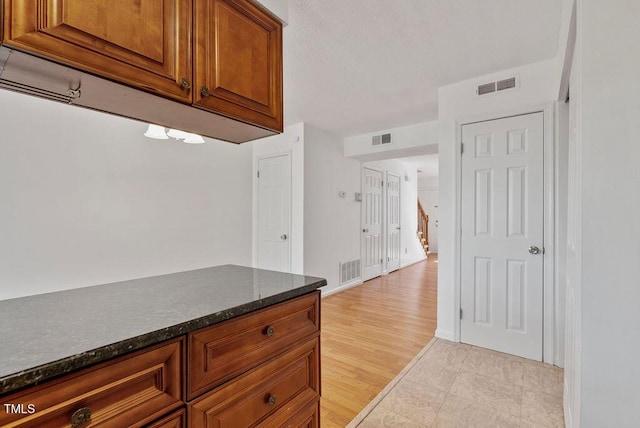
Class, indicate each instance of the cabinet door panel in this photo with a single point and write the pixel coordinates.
(143, 43)
(239, 61)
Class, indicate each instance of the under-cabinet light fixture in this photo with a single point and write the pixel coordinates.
(156, 132)
(159, 133)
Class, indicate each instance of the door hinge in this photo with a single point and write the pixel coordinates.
(382, 184)
(460, 313)
(258, 174)
(461, 148)
(381, 260)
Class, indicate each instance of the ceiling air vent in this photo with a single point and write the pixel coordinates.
(376, 140)
(500, 85)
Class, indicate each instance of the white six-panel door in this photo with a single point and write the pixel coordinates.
(274, 213)
(371, 223)
(502, 235)
(393, 222)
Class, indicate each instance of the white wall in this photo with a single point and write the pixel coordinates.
(538, 85)
(610, 213)
(331, 223)
(428, 182)
(410, 251)
(291, 142)
(405, 141)
(279, 8)
(87, 199)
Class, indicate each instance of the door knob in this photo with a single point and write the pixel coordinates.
(534, 250)
(284, 236)
(365, 230)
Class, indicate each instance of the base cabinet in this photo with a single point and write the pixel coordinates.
(275, 381)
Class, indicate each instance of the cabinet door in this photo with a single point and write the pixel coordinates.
(238, 62)
(143, 43)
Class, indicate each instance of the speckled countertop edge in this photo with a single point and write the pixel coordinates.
(37, 375)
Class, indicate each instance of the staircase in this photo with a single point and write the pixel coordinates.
(423, 228)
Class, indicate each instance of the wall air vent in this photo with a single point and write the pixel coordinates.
(487, 88)
(494, 87)
(506, 84)
(377, 140)
(349, 271)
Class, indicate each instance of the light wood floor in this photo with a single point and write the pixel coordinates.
(370, 333)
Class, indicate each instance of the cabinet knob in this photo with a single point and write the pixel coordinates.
(185, 84)
(271, 401)
(270, 331)
(81, 417)
(204, 91)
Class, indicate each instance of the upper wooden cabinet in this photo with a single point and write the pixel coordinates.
(143, 43)
(238, 61)
(222, 56)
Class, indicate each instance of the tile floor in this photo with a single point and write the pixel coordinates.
(457, 385)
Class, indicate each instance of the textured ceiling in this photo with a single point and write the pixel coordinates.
(357, 66)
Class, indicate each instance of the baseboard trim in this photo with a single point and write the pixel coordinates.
(444, 334)
(344, 287)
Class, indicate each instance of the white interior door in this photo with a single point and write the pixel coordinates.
(274, 213)
(371, 223)
(502, 235)
(393, 222)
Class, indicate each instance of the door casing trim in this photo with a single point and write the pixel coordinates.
(549, 189)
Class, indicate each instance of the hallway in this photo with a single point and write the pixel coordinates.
(370, 333)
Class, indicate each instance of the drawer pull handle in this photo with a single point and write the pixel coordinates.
(271, 401)
(80, 417)
(270, 332)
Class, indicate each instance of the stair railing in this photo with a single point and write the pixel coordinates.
(423, 228)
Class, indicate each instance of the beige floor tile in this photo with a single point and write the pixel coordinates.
(543, 377)
(495, 364)
(414, 402)
(542, 409)
(483, 390)
(447, 354)
(458, 412)
(432, 375)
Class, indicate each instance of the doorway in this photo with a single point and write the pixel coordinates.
(393, 222)
(274, 213)
(371, 223)
(502, 263)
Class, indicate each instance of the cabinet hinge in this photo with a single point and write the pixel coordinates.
(258, 174)
(382, 184)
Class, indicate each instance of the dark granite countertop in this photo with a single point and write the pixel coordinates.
(48, 335)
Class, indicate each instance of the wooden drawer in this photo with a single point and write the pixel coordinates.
(278, 389)
(129, 391)
(174, 420)
(219, 353)
(308, 417)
